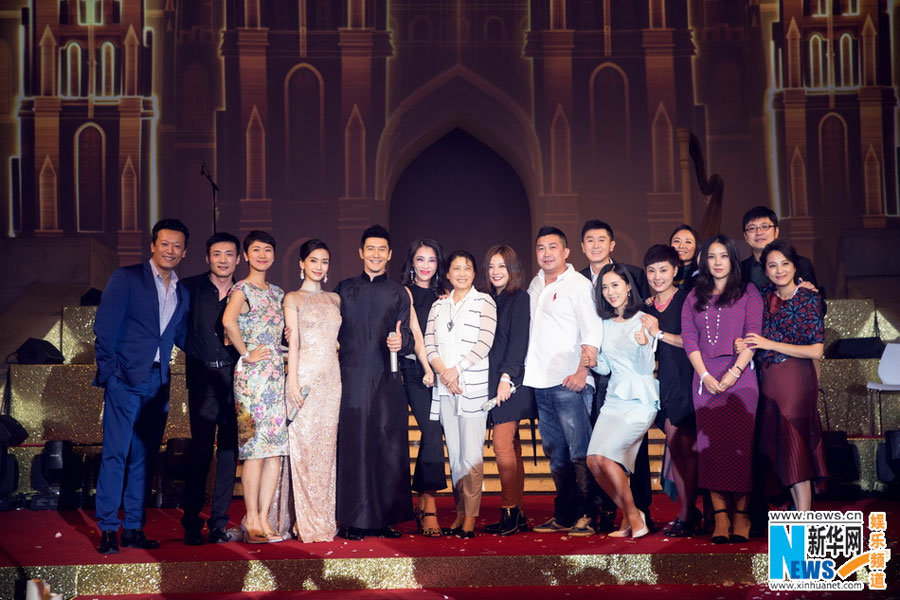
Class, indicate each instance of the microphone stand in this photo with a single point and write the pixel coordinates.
(215, 208)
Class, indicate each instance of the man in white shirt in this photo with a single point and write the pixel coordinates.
(564, 324)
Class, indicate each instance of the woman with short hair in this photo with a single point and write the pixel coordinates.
(458, 339)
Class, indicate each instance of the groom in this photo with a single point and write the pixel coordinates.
(373, 484)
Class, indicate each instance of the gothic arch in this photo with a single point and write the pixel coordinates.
(610, 120)
(458, 98)
(304, 119)
(89, 151)
(834, 164)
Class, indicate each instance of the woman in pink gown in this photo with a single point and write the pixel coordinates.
(313, 395)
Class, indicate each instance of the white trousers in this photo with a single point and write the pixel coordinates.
(465, 451)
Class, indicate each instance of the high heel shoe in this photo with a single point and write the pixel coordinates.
(272, 537)
(721, 538)
(620, 533)
(252, 536)
(644, 530)
(736, 537)
(427, 531)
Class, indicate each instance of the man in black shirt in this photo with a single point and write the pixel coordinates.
(760, 228)
(209, 370)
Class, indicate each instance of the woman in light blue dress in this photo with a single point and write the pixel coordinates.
(627, 354)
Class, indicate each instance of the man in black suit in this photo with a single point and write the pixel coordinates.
(597, 242)
(760, 226)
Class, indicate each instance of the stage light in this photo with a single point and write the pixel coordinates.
(171, 474)
(56, 475)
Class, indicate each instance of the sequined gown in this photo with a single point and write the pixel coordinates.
(313, 432)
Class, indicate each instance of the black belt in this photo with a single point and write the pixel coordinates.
(218, 364)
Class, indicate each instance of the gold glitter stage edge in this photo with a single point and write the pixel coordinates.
(394, 573)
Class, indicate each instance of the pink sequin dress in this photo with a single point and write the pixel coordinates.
(312, 445)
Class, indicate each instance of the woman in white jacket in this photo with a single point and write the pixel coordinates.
(458, 338)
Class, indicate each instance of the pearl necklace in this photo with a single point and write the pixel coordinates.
(712, 342)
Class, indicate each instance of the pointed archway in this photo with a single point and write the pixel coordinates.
(462, 193)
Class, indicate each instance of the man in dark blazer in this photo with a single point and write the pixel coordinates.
(597, 242)
(760, 226)
(142, 314)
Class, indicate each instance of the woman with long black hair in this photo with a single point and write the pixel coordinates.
(423, 278)
(719, 310)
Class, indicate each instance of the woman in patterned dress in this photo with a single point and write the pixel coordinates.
(313, 317)
(719, 310)
(793, 337)
(253, 321)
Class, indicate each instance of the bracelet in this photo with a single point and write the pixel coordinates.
(738, 367)
(738, 376)
(700, 387)
(705, 373)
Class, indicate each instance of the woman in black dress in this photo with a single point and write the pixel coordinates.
(423, 278)
(504, 279)
(676, 412)
(684, 240)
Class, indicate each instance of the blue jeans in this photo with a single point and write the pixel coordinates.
(564, 420)
(134, 419)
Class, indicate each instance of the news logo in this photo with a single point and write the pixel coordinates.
(821, 550)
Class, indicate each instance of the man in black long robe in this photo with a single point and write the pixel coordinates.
(373, 485)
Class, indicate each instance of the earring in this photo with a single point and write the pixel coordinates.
(325, 279)
(412, 274)
(302, 275)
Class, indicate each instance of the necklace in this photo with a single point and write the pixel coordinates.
(712, 341)
(453, 313)
(662, 307)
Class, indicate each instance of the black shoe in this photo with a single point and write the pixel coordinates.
(680, 528)
(465, 535)
(134, 538)
(193, 537)
(451, 530)
(218, 535)
(386, 532)
(523, 521)
(606, 521)
(498, 526)
(109, 543)
(351, 533)
(509, 522)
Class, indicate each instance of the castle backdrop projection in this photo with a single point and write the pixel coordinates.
(472, 121)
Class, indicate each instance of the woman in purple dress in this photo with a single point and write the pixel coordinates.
(720, 310)
(793, 337)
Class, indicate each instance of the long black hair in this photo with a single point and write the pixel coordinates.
(437, 280)
(705, 285)
(632, 302)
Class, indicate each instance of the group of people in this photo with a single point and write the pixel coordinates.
(718, 353)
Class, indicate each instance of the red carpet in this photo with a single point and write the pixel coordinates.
(68, 538)
(61, 545)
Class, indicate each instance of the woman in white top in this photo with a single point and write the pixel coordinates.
(632, 396)
(458, 338)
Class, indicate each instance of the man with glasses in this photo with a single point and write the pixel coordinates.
(760, 229)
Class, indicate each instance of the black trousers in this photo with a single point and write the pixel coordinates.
(641, 488)
(213, 422)
(429, 472)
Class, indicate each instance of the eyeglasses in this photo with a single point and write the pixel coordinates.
(755, 228)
